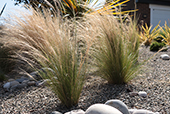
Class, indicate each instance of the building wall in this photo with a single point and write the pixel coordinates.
(143, 13)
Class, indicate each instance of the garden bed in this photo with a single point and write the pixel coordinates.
(153, 79)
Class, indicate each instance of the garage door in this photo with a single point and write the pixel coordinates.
(159, 13)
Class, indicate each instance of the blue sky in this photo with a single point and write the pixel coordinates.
(9, 8)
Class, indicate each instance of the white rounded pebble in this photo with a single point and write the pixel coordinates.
(131, 111)
(142, 111)
(142, 94)
(79, 111)
(118, 105)
(102, 109)
(156, 112)
(55, 112)
(165, 57)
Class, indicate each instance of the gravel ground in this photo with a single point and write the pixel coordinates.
(154, 78)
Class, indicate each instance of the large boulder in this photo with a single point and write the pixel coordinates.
(102, 109)
(118, 105)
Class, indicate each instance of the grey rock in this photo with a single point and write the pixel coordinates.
(21, 80)
(142, 111)
(25, 82)
(102, 109)
(165, 57)
(31, 83)
(132, 94)
(31, 78)
(13, 83)
(34, 76)
(10, 80)
(13, 88)
(23, 77)
(34, 73)
(118, 105)
(79, 111)
(45, 69)
(142, 94)
(55, 112)
(19, 86)
(42, 83)
(6, 85)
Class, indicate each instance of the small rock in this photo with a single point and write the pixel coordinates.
(21, 80)
(56, 112)
(31, 78)
(6, 85)
(34, 75)
(31, 83)
(19, 86)
(102, 109)
(132, 94)
(165, 57)
(45, 70)
(142, 111)
(79, 111)
(131, 111)
(23, 77)
(25, 82)
(118, 105)
(10, 80)
(42, 83)
(142, 94)
(13, 83)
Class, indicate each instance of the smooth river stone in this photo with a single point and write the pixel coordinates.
(118, 105)
(102, 109)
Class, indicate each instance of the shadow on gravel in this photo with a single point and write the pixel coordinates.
(96, 90)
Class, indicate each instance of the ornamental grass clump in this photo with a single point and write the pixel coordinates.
(52, 42)
(116, 49)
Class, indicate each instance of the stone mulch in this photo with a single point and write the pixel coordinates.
(154, 79)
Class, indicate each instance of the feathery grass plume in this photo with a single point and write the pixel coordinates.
(116, 49)
(53, 42)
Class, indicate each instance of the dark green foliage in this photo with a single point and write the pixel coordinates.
(6, 61)
(2, 76)
(158, 39)
(155, 46)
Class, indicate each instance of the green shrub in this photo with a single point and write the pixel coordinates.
(53, 43)
(155, 46)
(7, 63)
(2, 76)
(116, 49)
